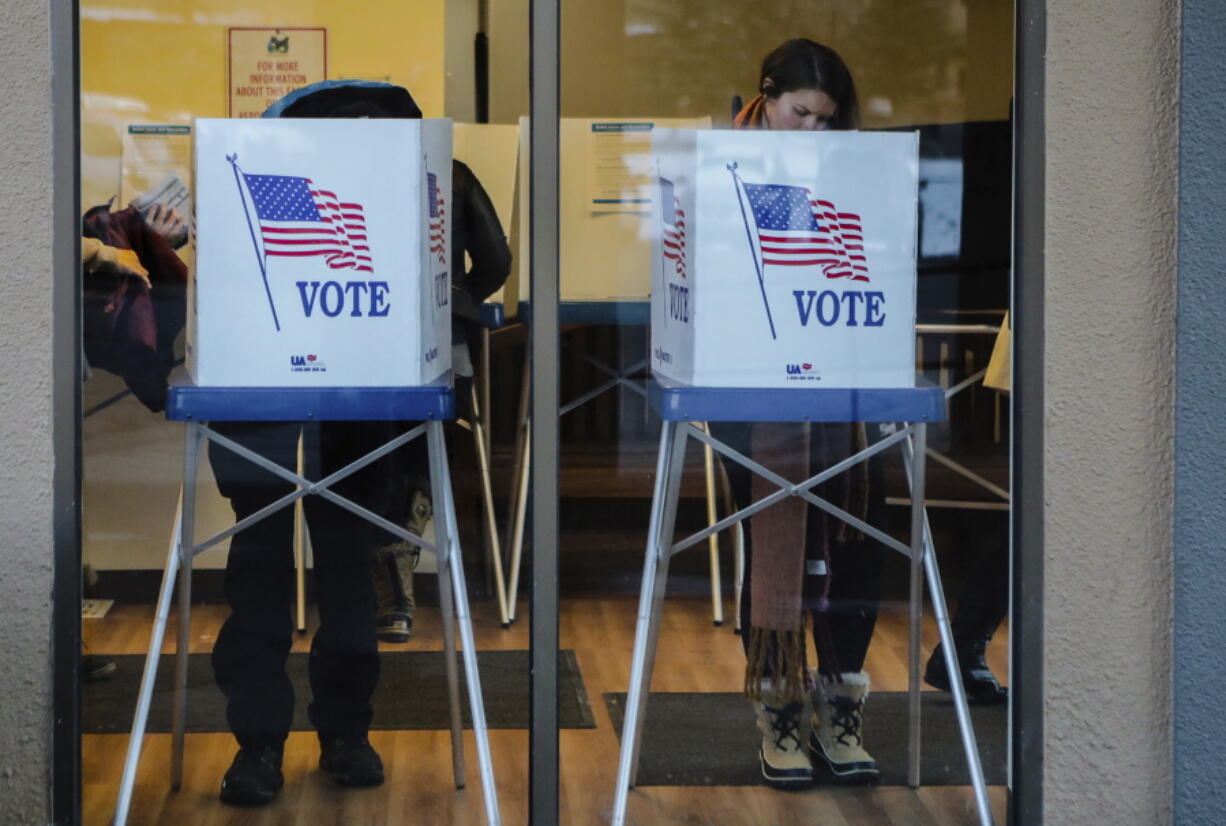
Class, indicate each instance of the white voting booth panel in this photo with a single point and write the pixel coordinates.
(322, 254)
(784, 259)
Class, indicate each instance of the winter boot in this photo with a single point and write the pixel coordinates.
(836, 731)
(980, 683)
(782, 755)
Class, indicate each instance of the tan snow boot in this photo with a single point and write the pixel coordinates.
(785, 765)
(836, 732)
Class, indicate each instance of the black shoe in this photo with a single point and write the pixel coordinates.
(351, 761)
(253, 778)
(979, 681)
(95, 667)
(393, 626)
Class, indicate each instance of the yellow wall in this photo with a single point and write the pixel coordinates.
(915, 61)
(164, 61)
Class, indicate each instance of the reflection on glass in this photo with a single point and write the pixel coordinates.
(349, 719)
(821, 607)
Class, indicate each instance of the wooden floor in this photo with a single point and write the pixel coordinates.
(693, 656)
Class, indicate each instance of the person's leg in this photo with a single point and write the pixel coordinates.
(344, 660)
(399, 492)
(983, 602)
(781, 756)
(849, 615)
(251, 649)
(855, 594)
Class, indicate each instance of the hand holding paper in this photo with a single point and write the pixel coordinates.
(166, 221)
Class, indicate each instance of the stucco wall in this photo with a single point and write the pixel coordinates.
(1200, 452)
(1112, 85)
(25, 412)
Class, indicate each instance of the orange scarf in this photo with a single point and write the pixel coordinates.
(753, 115)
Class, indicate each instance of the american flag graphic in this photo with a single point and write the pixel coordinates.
(299, 219)
(797, 230)
(438, 223)
(674, 226)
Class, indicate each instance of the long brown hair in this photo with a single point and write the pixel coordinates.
(803, 64)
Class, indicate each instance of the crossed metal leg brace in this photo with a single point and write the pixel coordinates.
(481, 444)
(453, 600)
(519, 493)
(661, 548)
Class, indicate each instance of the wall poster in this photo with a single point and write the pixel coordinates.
(267, 63)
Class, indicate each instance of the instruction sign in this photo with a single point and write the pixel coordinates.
(265, 64)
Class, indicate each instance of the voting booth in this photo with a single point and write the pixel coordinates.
(322, 253)
(321, 294)
(784, 291)
(784, 259)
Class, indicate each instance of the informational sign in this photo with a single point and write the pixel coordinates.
(619, 166)
(266, 64)
(785, 259)
(322, 253)
(157, 174)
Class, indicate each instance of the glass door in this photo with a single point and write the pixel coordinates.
(677, 239)
(732, 247)
(274, 220)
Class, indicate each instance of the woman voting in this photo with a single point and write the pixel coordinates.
(802, 564)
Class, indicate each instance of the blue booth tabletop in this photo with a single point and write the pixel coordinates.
(597, 311)
(187, 402)
(674, 401)
(493, 315)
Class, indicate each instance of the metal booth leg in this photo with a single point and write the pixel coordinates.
(941, 612)
(447, 616)
(300, 538)
(738, 546)
(144, 697)
(669, 467)
(519, 489)
(738, 570)
(485, 387)
(916, 613)
(451, 573)
(717, 597)
(487, 498)
(186, 546)
(520, 504)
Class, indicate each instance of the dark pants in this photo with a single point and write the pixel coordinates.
(855, 564)
(983, 598)
(251, 650)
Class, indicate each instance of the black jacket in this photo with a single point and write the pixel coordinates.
(475, 230)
